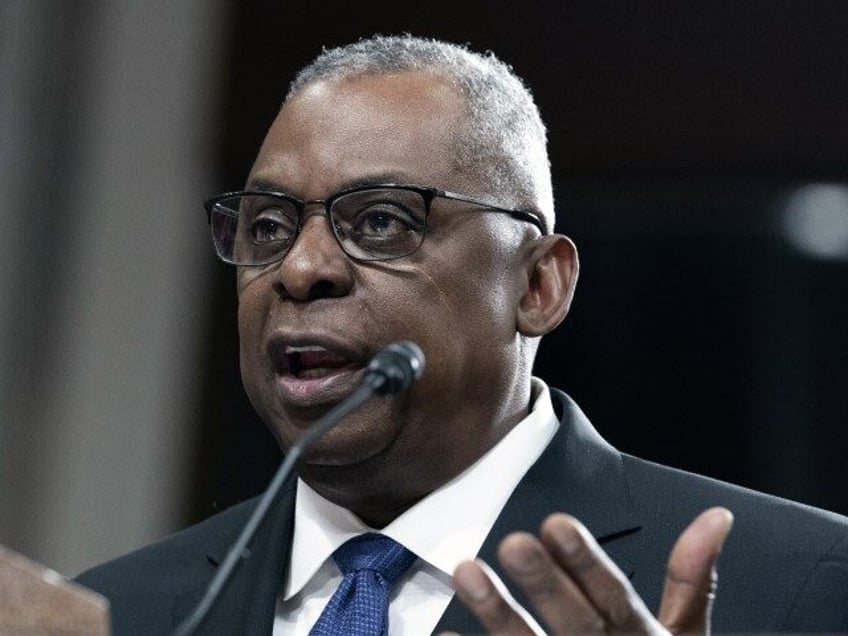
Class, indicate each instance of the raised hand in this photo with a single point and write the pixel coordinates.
(576, 588)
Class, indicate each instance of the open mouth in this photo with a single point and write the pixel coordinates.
(311, 362)
(315, 372)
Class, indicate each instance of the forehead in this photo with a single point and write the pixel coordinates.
(341, 131)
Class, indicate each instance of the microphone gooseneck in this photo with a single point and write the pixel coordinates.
(392, 369)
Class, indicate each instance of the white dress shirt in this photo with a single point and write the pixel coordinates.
(443, 529)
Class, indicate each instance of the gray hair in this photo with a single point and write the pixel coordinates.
(504, 141)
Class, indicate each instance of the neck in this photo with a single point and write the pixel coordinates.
(381, 488)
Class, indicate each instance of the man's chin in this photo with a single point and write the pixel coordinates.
(339, 450)
(360, 436)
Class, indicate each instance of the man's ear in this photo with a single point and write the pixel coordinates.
(552, 268)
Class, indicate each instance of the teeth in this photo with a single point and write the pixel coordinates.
(291, 350)
(308, 374)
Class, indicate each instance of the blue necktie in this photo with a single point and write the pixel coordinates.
(371, 563)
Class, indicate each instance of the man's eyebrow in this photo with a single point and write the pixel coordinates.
(377, 179)
(264, 185)
(260, 184)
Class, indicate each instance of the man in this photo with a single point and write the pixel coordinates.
(404, 193)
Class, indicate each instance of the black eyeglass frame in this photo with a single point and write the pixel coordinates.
(426, 193)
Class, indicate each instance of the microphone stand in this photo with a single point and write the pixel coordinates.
(372, 384)
(394, 368)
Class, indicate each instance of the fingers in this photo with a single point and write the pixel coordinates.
(691, 575)
(493, 607)
(566, 577)
(548, 587)
(576, 588)
(606, 589)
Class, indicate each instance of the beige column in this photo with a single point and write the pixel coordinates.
(104, 161)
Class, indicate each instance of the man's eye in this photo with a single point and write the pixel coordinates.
(272, 226)
(384, 221)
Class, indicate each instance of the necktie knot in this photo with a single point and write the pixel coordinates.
(374, 552)
(371, 563)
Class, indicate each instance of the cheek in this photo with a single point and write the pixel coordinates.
(475, 265)
(254, 288)
(454, 303)
(477, 288)
(252, 314)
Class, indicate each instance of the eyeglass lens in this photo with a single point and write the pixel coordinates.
(370, 224)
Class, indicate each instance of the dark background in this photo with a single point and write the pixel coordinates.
(700, 337)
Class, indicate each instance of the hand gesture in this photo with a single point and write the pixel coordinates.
(576, 588)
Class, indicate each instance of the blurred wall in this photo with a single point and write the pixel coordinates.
(104, 160)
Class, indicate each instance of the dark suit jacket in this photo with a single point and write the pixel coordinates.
(784, 567)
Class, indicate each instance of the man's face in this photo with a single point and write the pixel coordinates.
(309, 323)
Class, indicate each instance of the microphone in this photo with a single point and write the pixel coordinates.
(395, 367)
(392, 369)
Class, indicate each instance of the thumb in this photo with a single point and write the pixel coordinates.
(691, 577)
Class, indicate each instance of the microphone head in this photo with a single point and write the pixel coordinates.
(395, 367)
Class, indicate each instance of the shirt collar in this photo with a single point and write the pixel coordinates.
(446, 527)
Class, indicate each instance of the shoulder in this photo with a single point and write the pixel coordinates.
(670, 496)
(172, 564)
(669, 488)
(145, 587)
(784, 565)
(782, 558)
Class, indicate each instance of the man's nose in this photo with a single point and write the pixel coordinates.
(316, 266)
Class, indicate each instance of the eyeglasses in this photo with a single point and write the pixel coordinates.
(371, 223)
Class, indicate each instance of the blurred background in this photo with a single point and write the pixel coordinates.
(700, 158)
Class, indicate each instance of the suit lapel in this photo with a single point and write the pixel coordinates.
(247, 604)
(578, 473)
